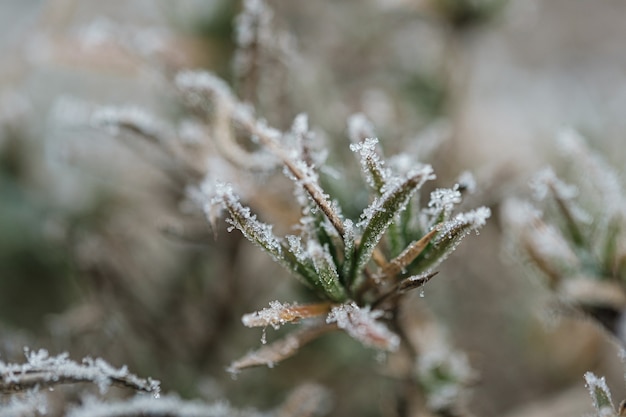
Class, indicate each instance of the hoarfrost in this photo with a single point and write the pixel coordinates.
(600, 394)
(362, 325)
(275, 316)
(442, 201)
(242, 219)
(371, 162)
(41, 369)
(466, 182)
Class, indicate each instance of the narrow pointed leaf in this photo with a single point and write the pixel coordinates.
(280, 350)
(372, 165)
(261, 234)
(327, 275)
(600, 394)
(278, 314)
(363, 325)
(450, 235)
(241, 218)
(402, 261)
(379, 215)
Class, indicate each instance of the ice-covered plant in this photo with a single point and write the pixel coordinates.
(578, 240)
(358, 267)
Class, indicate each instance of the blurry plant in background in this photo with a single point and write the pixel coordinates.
(577, 243)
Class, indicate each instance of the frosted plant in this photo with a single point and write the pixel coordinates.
(577, 240)
(23, 385)
(359, 267)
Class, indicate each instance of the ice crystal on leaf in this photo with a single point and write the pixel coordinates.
(334, 255)
(363, 325)
(600, 394)
(372, 165)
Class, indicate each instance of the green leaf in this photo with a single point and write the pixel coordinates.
(378, 216)
(327, 275)
(450, 235)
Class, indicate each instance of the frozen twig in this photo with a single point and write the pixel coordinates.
(43, 370)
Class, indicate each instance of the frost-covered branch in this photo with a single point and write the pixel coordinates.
(43, 370)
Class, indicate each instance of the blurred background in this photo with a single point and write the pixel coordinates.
(100, 255)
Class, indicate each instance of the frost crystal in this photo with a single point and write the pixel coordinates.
(442, 201)
(372, 165)
(276, 315)
(362, 324)
(242, 219)
(42, 369)
(600, 394)
(466, 182)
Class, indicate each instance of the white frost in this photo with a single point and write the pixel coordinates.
(362, 324)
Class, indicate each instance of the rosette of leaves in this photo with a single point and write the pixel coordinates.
(359, 268)
(578, 241)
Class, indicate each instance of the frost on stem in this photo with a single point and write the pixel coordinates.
(372, 165)
(442, 202)
(43, 370)
(278, 314)
(314, 265)
(600, 394)
(363, 325)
